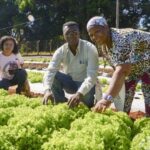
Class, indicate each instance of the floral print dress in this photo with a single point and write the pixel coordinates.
(132, 46)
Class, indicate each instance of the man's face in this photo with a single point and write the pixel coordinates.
(71, 34)
(98, 35)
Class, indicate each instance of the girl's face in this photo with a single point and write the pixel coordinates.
(98, 35)
(8, 47)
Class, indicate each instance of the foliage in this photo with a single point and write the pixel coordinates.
(106, 131)
(141, 141)
(35, 77)
(51, 14)
(141, 131)
(104, 81)
(138, 87)
(25, 123)
(141, 125)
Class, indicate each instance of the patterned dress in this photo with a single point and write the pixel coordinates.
(132, 46)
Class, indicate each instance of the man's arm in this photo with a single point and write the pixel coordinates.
(50, 74)
(90, 80)
(92, 69)
(53, 67)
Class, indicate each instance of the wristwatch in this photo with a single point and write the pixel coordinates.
(108, 97)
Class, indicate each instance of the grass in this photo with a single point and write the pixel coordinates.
(35, 77)
(138, 87)
(104, 84)
(104, 81)
(101, 62)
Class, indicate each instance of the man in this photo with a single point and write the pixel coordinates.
(128, 50)
(80, 64)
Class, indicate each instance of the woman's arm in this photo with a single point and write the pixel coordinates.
(116, 83)
(118, 78)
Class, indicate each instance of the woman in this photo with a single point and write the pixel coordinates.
(11, 72)
(128, 50)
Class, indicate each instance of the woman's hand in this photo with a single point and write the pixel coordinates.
(101, 105)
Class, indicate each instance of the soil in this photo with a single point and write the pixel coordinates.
(34, 95)
(136, 115)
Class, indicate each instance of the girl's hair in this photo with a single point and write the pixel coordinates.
(6, 38)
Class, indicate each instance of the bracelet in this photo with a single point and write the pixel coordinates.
(107, 97)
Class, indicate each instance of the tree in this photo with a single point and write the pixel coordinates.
(51, 14)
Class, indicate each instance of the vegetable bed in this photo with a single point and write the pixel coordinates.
(25, 124)
(35, 77)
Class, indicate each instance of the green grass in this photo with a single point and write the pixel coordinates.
(101, 62)
(35, 77)
(104, 84)
(104, 81)
(138, 87)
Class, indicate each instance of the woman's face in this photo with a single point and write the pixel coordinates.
(8, 47)
(98, 34)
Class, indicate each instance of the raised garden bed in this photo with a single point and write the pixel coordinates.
(35, 77)
(40, 66)
(26, 123)
(35, 65)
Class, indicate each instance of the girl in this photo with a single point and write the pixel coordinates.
(11, 62)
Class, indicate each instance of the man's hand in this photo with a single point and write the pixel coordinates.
(101, 105)
(47, 96)
(75, 100)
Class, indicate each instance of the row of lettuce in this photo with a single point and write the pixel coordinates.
(26, 124)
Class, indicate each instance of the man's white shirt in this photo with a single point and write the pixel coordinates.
(81, 67)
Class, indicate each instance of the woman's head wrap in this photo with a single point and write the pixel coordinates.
(95, 21)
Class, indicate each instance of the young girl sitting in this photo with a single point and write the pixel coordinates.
(11, 62)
